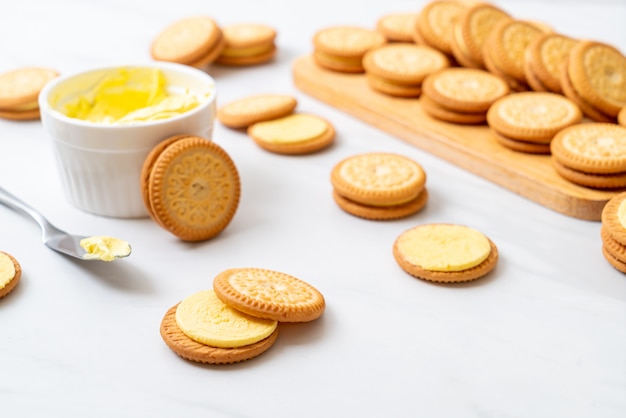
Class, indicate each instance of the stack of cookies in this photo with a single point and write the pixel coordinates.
(196, 41)
(399, 69)
(19, 91)
(379, 186)
(613, 231)
(247, 44)
(239, 318)
(445, 253)
(341, 48)
(461, 95)
(591, 155)
(528, 121)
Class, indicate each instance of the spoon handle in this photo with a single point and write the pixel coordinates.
(13, 202)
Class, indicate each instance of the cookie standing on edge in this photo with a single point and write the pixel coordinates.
(19, 91)
(397, 27)
(293, 134)
(192, 188)
(445, 253)
(543, 60)
(249, 110)
(434, 23)
(10, 273)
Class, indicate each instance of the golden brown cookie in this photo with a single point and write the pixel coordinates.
(434, 109)
(249, 110)
(595, 148)
(378, 179)
(621, 117)
(391, 88)
(10, 273)
(269, 294)
(404, 63)
(193, 189)
(341, 48)
(188, 41)
(247, 44)
(532, 116)
(397, 27)
(544, 58)
(597, 72)
(435, 21)
(617, 264)
(521, 146)
(589, 110)
(472, 29)
(445, 253)
(506, 46)
(294, 134)
(382, 213)
(20, 88)
(613, 247)
(464, 90)
(591, 180)
(192, 350)
(614, 217)
(20, 115)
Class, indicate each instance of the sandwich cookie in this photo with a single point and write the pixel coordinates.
(543, 60)
(613, 231)
(10, 273)
(247, 44)
(434, 23)
(341, 48)
(19, 91)
(397, 27)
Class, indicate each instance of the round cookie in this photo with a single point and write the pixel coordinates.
(543, 60)
(596, 148)
(437, 111)
(532, 116)
(210, 56)
(464, 90)
(613, 217)
(293, 134)
(390, 88)
(204, 318)
(269, 294)
(445, 253)
(378, 179)
(187, 41)
(247, 44)
(594, 181)
(192, 350)
(589, 110)
(404, 63)
(19, 90)
(249, 110)
(397, 27)
(193, 189)
(617, 264)
(382, 213)
(613, 247)
(597, 72)
(473, 27)
(435, 21)
(341, 48)
(10, 273)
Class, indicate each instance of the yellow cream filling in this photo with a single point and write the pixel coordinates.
(7, 270)
(104, 248)
(129, 95)
(290, 129)
(206, 319)
(445, 248)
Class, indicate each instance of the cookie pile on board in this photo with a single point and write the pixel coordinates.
(239, 318)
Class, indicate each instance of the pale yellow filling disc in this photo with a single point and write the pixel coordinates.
(206, 319)
(7, 270)
(290, 129)
(621, 213)
(444, 247)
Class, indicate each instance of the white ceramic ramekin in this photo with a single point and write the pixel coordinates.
(100, 164)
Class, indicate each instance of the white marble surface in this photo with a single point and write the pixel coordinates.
(544, 335)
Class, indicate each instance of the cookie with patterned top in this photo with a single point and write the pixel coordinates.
(435, 21)
(378, 179)
(543, 60)
(269, 294)
(341, 48)
(397, 27)
(193, 188)
(19, 90)
(532, 116)
(614, 218)
(247, 44)
(10, 273)
(249, 110)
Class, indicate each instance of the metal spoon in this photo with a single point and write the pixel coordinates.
(52, 236)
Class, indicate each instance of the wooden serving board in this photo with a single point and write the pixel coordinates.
(469, 147)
